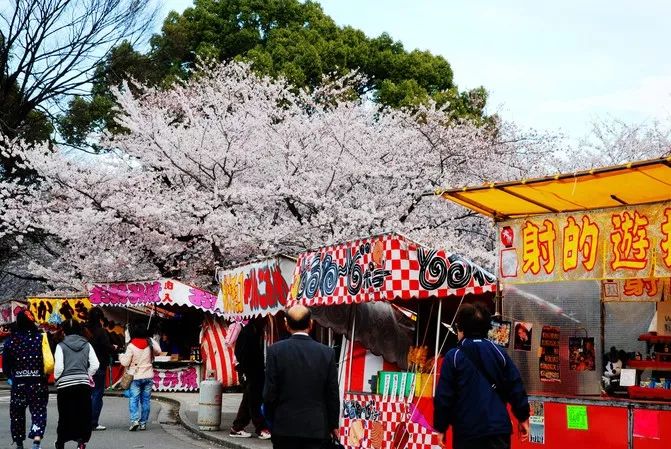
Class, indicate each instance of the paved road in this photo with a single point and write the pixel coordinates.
(167, 434)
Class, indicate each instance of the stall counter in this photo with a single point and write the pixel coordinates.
(372, 421)
(174, 375)
(588, 423)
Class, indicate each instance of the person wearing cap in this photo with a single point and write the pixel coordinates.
(23, 365)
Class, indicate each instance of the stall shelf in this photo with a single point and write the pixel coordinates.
(649, 393)
(654, 338)
(649, 364)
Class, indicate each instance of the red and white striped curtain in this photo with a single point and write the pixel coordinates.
(364, 365)
(217, 355)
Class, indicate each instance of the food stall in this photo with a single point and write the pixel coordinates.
(393, 301)
(584, 260)
(186, 321)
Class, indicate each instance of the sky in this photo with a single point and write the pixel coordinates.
(553, 66)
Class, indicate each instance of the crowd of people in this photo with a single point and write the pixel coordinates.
(81, 360)
(293, 392)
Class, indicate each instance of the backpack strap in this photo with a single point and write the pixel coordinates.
(471, 353)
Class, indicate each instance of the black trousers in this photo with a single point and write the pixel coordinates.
(74, 414)
(250, 407)
(490, 442)
(280, 442)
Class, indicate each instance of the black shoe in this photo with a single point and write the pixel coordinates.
(59, 445)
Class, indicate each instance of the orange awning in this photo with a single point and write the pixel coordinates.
(636, 183)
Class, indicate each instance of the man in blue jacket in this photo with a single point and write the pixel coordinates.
(477, 380)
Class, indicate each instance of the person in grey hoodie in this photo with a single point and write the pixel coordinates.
(75, 365)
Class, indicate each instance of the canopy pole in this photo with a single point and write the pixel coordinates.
(351, 350)
(437, 349)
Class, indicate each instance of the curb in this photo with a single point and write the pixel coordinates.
(184, 421)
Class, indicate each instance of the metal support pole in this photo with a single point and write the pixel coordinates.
(351, 351)
(437, 349)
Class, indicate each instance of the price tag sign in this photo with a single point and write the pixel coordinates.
(576, 417)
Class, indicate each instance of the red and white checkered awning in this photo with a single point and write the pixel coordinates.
(383, 268)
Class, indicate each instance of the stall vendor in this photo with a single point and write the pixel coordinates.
(167, 346)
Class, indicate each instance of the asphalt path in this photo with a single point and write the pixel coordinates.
(166, 434)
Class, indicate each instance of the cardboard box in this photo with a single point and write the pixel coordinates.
(664, 318)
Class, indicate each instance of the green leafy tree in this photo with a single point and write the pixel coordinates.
(281, 38)
(50, 51)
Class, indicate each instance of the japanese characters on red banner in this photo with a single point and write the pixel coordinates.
(385, 268)
(162, 291)
(635, 290)
(619, 243)
(256, 288)
(176, 379)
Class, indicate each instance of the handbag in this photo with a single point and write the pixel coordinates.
(47, 355)
(126, 380)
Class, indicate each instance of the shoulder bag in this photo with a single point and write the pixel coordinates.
(47, 355)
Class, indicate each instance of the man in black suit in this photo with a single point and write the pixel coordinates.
(301, 396)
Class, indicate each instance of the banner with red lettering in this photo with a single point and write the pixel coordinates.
(177, 379)
(255, 289)
(160, 292)
(632, 242)
(635, 290)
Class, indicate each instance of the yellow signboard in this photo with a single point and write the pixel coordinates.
(54, 311)
(619, 243)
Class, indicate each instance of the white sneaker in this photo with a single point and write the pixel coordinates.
(99, 427)
(239, 434)
(134, 425)
(264, 435)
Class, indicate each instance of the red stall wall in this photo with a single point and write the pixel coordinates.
(652, 429)
(607, 429)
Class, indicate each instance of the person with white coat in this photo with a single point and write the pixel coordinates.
(138, 360)
(75, 365)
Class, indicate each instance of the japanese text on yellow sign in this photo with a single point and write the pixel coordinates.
(54, 311)
(622, 243)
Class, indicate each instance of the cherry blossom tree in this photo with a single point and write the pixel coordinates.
(616, 142)
(230, 166)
